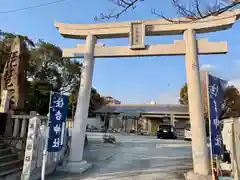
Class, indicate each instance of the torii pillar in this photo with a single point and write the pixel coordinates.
(76, 164)
(136, 31)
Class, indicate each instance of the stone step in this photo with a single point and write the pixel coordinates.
(2, 145)
(9, 172)
(8, 157)
(5, 151)
(10, 165)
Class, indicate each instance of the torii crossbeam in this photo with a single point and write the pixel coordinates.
(151, 27)
(176, 49)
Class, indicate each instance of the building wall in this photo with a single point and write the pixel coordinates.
(227, 133)
(155, 124)
(130, 124)
(114, 122)
(95, 121)
(152, 124)
(118, 123)
(148, 124)
(92, 121)
(180, 125)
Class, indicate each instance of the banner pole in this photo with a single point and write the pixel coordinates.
(45, 152)
(210, 133)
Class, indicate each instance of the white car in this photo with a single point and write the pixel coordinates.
(187, 134)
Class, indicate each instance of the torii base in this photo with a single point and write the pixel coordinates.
(74, 167)
(194, 176)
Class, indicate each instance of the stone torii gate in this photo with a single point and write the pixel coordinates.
(136, 31)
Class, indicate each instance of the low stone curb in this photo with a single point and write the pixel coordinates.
(84, 167)
(194, 176)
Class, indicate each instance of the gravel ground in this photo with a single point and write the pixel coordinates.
(134, 158)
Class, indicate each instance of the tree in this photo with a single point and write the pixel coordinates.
(59, 74)
(190, 9)
(47, 71)
(231, 103)
(46, 63)
(37, 99)
(183, 95)
(96, 101)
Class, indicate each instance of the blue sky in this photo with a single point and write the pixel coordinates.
(130, 80)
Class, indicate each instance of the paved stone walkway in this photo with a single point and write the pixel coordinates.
(136, 158)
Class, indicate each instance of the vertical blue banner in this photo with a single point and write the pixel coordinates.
(216, 88)
(57, 121)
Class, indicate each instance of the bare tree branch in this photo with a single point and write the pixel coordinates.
(169, 19)
(124, 6)
(182, 10)
(197, 11)
(196, 5)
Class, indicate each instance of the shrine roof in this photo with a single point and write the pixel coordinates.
(143, 108)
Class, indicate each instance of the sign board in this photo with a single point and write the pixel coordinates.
(57, 121)
(216, 87)
(13, 76)
(5, 100)
(137, 35)
(31, 148)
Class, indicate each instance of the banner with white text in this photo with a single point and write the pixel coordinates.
(57, 121)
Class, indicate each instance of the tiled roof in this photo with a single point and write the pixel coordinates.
(143, 108)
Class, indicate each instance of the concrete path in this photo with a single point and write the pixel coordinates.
(134, 158)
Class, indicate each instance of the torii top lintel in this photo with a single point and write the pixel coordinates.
(151, 27)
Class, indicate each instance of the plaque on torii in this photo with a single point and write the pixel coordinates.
(136, 32)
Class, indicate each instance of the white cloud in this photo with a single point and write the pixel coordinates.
(208, 67)
(212, 69)
(235, 82)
